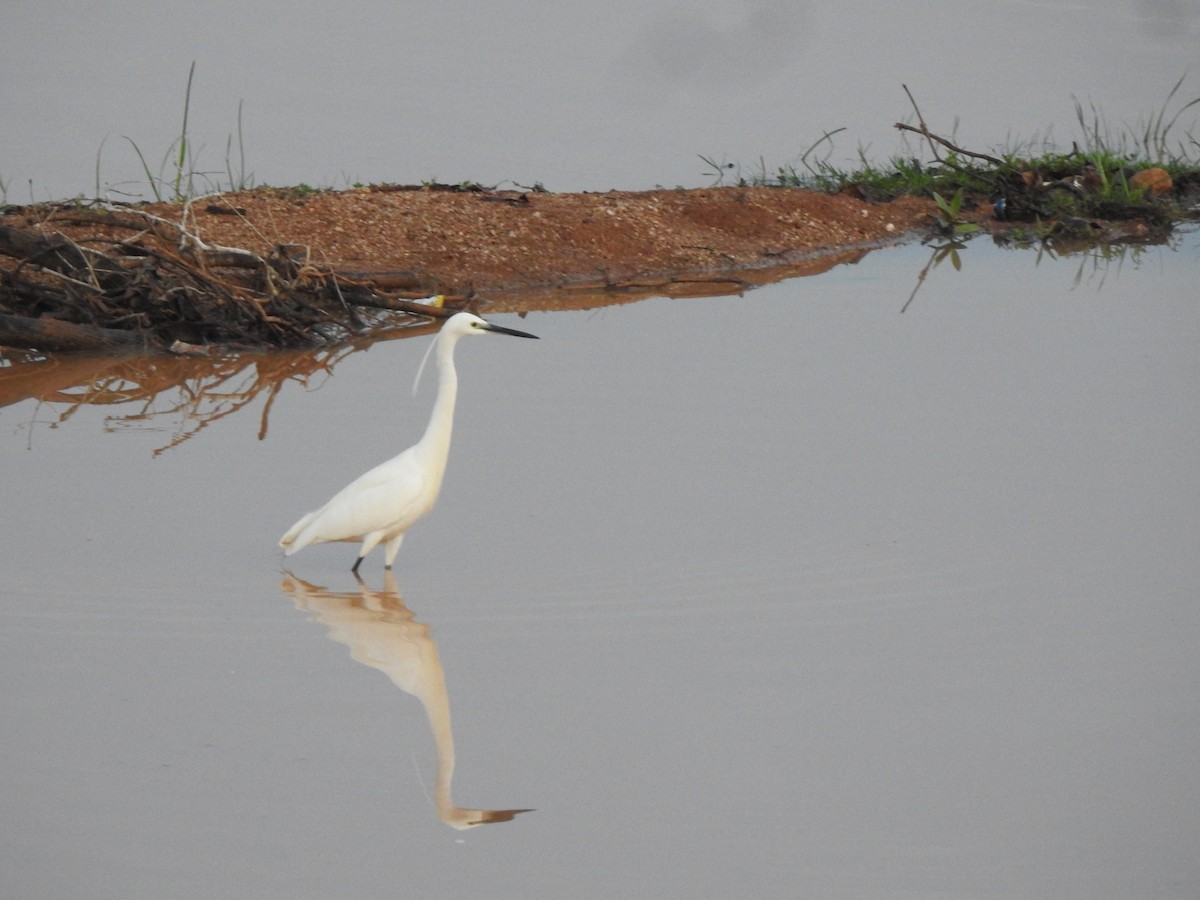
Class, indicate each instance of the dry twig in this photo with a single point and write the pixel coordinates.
(75, 277)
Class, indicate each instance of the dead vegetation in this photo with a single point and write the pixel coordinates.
(79, 277)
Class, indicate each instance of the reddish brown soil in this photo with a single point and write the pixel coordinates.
(281, 267)
(448, 241)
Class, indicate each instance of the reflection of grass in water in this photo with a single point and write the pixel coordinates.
(1055, 195)
(1096, 260)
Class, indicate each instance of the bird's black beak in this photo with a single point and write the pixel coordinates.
(499, 329)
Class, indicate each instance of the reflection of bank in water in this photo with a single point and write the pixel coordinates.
(176, 395)
(381, 633)
(180, 396)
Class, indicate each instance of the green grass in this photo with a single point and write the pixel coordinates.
(957, 179)
(179, 177)
(1091, 179)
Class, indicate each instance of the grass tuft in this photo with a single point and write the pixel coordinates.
(178, 177)
(1029, 182)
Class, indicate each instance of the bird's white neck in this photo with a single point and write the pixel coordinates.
(435, 443)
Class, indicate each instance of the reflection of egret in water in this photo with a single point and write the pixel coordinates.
(382, 633)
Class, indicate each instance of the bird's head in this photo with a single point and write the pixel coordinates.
(465, 323)
(460, 325)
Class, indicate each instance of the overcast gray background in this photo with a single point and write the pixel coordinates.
(577, 95)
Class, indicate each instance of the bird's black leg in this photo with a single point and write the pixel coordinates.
(357, 563)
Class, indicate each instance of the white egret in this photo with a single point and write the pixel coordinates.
(382, 504)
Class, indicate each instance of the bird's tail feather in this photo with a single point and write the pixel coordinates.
(287, 542)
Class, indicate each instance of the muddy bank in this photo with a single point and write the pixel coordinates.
(279, 268)
(456, 241)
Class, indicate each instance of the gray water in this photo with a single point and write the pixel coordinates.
(789, 594)
(782, 595)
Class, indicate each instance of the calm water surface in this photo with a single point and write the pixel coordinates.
(783, 595)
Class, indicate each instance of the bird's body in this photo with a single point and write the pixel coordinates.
(382, 504)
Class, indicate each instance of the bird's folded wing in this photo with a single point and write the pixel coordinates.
(365, 506)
